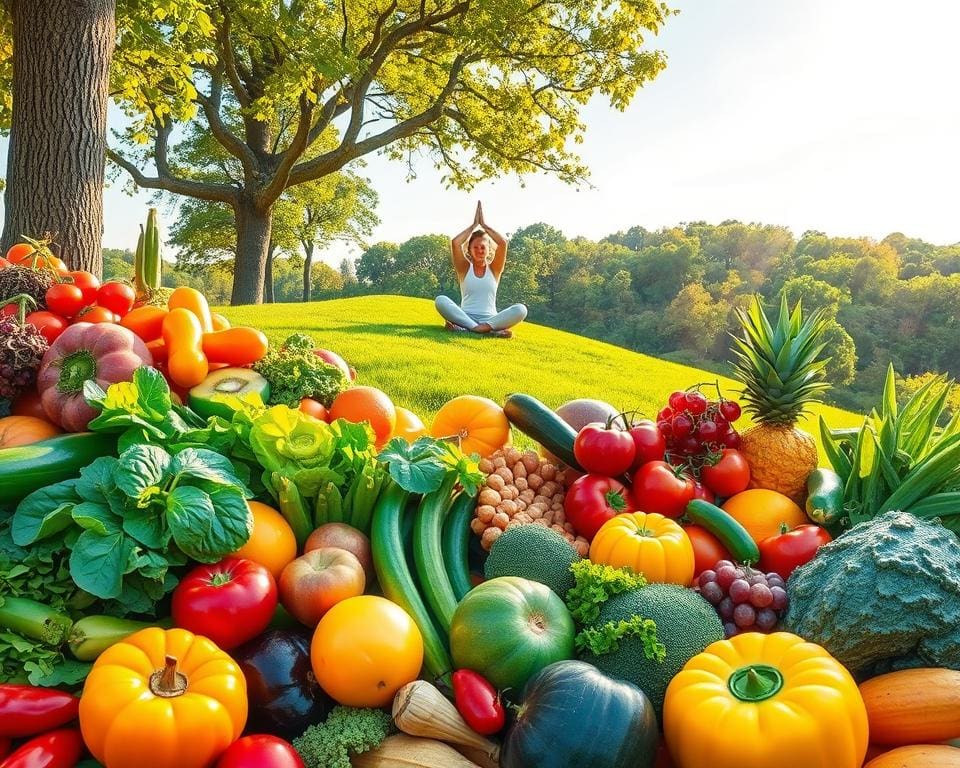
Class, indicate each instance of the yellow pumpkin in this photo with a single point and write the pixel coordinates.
(163, 698)
(478, 424)
(24, 430)
(757, 700)
(649, 543)
(918, 756)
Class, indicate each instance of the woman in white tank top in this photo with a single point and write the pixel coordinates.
(479, 277)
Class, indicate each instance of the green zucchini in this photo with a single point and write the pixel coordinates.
(824, 497)
(455, 542)
(721, 524)
(26, 468)
(92, 635)
(428, 554)
(536, 420)
(397, 582)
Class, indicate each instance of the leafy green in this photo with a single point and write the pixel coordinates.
(346, 731)
(604, 639)
(421, 466)
(294, 373)
(595, 584)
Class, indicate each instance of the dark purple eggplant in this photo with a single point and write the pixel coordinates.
(283, 695)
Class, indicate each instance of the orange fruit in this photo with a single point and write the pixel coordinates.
(408, 426)
(20, 253)
(272, 543)
(762, 512)
(367, 404)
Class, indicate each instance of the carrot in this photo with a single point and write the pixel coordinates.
(236, 346)
(196, 302)
(146, 322)
(183, 335)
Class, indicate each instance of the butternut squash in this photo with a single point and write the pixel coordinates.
(918, 756)
(913, 706)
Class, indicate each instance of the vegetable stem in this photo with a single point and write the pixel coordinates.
(168, 683)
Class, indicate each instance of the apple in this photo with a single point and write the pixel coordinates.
(317, 580)
(332, 358)
(342, 536)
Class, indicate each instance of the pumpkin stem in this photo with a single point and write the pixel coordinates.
(756, 682)
(168, 683)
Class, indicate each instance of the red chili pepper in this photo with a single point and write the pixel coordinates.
(26, 710)
(478, 702)
(787, 550)
(56, 749)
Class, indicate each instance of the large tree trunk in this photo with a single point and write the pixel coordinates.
(253, 244)
(308, 271)
(268, 296)
(61, 64)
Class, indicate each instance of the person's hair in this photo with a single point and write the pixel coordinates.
(476, 235)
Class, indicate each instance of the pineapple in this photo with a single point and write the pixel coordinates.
(782, 372)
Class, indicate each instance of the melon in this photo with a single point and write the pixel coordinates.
(578, 413)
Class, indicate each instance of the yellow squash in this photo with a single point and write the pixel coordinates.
(164, 699)
(765, 701)
(649, 543)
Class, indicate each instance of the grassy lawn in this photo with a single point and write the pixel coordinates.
(398, 344)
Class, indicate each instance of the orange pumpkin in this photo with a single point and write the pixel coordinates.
(921, 756)
(24, 430)
(648, 543)
(913, 706)
(477, 423)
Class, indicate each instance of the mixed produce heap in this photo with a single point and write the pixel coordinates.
(218, 552)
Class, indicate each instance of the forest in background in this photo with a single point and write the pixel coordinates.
(673, 292)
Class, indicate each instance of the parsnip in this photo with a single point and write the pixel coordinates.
(402, 751)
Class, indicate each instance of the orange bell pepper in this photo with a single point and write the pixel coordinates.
(146, 322)
(183, 336)
(196, 302)
(165, 698)
(220, 323)
(235, 346)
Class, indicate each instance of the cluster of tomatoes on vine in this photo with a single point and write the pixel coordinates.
(694, 426)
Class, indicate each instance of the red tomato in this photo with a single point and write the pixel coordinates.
(659, 487)
(784, 552)
(64, 299)
(4, 263)
(98, 315)
(49, 324)
(117, 297)
(260, 750)
(20, 252)
(230, 602)
(478, 702)
(649, 442)
(88, 285)
(314, 408)
(9, 310)
(728, 474)
(592, 500)
(707, 549)
(700, 491)
(602, 450)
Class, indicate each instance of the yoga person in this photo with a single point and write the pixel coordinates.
(479, 276)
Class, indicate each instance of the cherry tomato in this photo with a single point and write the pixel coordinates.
(19, 252)
(260, 750)
(98, 314)
(592, 500)
(314, 408)
(659, 487)
(478, 702)
(648, 441)
(727, 473)
(603, 450)
(707, 549)
(49, 324)
(230, 602)
(64, 299)
(87, 283)
(117, 297)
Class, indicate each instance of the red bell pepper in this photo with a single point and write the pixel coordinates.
(56, 749)
(26, 710)
(788, 550)
(478, 702)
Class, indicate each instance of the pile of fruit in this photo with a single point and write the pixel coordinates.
(215, 551)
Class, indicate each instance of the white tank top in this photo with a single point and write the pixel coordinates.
(478, 295)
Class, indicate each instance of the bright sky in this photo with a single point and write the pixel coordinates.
(836, 115)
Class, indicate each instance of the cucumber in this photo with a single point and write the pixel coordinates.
(26, 468)
(731, 534)
(92, 635)
(535, 420)
(397, 582)
(428, 554)
(455, 541)
(824, 497)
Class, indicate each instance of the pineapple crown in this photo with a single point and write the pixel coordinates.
(780, 365)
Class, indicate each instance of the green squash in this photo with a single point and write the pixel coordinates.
(509, 628)
(574, 716)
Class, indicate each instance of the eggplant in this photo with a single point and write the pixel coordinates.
(283, 695)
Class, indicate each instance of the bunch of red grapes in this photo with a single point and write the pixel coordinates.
(747, 600)
(692, 425)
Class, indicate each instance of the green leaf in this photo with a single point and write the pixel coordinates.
(44, 512)
(97, 563)
(207, 527)
(415, 467)
(140, 468)
(96, 481)
(606, 638)
(65, 673)
(202, 464)
(594, 584)
(97, 518)
(148, 526)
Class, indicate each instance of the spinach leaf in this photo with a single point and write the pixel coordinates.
(208, 526)
(98, 563)
(97, 518)
(202, 464)
(415, 467)
(96, 482)
(140, 470)
(147, 526)
(44, 512)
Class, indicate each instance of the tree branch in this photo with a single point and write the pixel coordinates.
(227, 138)
(289, 157)
(229, 59)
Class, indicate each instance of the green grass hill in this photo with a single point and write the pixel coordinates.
(398, 344)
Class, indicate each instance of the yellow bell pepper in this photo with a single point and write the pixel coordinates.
(649, 543)
(765, 701)
(164, 699)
